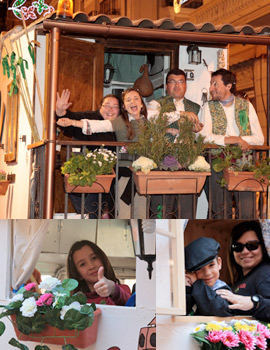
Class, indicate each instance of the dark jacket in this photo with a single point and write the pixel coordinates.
(208, 302)
(257, 281)
(72, 131)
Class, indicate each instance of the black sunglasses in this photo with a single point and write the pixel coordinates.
(251, 245)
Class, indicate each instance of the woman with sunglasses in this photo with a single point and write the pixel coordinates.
(249, 267)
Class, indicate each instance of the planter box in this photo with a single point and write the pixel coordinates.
(80, 339)
(3, 186)
(244, 181)
(101, 185)
(169, 182)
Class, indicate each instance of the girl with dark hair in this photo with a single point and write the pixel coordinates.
(126, 126)
(90, 266)
(249, 266)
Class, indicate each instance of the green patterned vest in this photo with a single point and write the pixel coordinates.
(167, 102)
(241, 114)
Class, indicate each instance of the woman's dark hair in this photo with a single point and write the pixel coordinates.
(124, 113)
(236, 270)
(227, 77)
(73, 273)
(114, 96)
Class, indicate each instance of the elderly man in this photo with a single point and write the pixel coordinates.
(177, 106)
(227, 120)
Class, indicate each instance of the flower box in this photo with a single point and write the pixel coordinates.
(52, 335)
(169, 182)
(244, 181)
(3, 186)
(101, 185)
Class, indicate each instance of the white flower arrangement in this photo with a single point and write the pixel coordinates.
(144, 164)
(200, 164)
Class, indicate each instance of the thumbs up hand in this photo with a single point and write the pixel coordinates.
(104, 287)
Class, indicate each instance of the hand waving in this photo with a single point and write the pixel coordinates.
(62, 103)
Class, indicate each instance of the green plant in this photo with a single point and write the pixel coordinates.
(233, 158)
(154, 144)
(83, 168)
(55, 307)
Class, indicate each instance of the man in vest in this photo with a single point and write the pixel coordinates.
(176, 106)
(227, 120)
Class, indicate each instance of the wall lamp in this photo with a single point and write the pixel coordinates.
(194, 54)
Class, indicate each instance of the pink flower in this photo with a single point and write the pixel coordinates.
(214, 336)
(263, 330)
(30, 286)
(247, 339)
(230, 339)
(261, 342)
(243, 285)
(45, 299)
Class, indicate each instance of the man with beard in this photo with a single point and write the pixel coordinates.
(227, 120)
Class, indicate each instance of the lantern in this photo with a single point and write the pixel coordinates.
(194, 54)
(64, 10)
(144, 241)
(108, 72)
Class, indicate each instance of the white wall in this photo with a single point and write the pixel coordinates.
(15, 203)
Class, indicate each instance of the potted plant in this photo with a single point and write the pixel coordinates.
(53, 316)
(91, 172)
(3, 182)
(179, 166)
(236, 335)
(240, 171)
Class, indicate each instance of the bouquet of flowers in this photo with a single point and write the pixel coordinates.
(83, 168)
(236, 335)
(31, 312)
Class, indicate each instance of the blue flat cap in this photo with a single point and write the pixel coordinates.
(200, 253)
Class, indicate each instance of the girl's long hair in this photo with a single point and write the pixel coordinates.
(235, 270)
(124, 113)
(73, 273)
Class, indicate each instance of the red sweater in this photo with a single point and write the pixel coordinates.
(120, 297)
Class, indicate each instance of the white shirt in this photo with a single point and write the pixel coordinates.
(256, 137)
(153, 109)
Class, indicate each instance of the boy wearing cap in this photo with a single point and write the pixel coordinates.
(203, 267)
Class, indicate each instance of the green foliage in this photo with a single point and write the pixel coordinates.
(233, 158)
(153, 143)
(17, 344)
(83, 168)
(34, 311)
(2, 328)
(68, 347)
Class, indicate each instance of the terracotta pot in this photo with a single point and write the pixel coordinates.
(3, 186)
(169, 182)
(81, 339)
(101, 185)
(244, 181)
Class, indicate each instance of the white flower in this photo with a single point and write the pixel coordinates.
(144, 164)
(49, 283)
(100, 163)
(17, 297)
(200, 164)
(75, 305)
(199, 328)
(29, 307)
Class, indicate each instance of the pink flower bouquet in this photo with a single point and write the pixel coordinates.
(235, 335)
